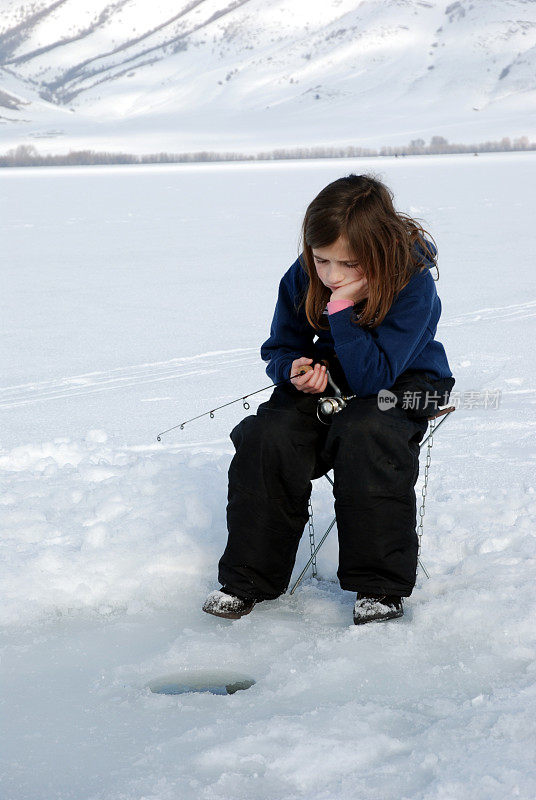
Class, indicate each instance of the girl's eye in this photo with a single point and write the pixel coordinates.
(351, 264)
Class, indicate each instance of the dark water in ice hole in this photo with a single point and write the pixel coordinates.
(211, 681)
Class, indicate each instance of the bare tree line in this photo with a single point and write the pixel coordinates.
(27, 155)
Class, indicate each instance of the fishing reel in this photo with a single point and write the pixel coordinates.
(334, 404)
(327, 406)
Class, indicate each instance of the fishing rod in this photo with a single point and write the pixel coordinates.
(326, 405)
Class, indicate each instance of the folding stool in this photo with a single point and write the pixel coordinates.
(433, 427)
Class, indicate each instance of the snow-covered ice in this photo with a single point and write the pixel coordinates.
(135, 299)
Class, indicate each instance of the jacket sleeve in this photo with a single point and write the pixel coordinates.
(289, 337)
(372, 359)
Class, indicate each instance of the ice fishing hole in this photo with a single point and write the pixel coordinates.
(211, 681)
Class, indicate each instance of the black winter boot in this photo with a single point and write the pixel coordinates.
(377, 608)
(223, 603)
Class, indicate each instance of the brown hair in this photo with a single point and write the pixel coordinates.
(360, 209)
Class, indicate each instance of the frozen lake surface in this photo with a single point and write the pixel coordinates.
(136, 298)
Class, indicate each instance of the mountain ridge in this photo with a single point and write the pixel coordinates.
(264, 71)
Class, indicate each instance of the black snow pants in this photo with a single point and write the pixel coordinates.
(374, 454)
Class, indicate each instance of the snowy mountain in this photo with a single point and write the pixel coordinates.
(250, 74)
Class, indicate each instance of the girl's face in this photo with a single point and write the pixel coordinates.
(335, 266)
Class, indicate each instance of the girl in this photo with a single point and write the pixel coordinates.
(360, 301)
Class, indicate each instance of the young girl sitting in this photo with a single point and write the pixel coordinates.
(360, 301)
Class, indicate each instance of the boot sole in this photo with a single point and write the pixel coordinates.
(228, 614)
(386, 618)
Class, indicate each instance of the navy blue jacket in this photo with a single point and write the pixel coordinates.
(371, 358)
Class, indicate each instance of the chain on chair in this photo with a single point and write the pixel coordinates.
(333, 405)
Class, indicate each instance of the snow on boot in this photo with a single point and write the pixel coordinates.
(369, 608)
(224, 604)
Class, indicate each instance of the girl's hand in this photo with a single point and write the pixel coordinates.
(353, 290)
(314, 381)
